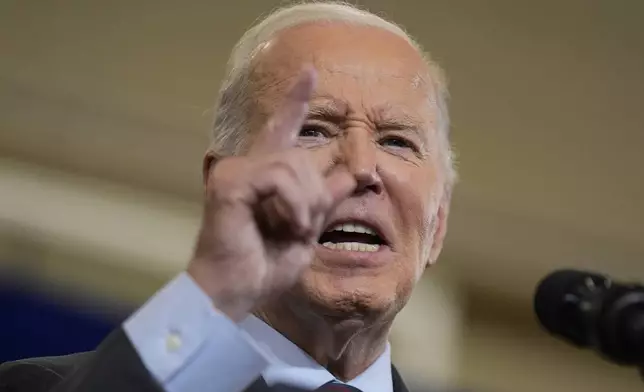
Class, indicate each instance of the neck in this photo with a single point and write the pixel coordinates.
(345, 346)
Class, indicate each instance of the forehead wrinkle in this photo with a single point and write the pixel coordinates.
(394, 116)
(274, 73)
(387, 115)
(271, 70)
(364, 70)
(361, 71)
(397, 117)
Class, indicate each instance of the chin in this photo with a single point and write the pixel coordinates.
(349, 293)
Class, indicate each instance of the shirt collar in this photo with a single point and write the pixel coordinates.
(290, 365)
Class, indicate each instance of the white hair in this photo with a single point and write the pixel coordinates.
(235, 102)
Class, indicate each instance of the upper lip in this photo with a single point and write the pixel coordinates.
(380, 226)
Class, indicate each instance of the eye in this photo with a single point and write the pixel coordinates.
(312, 132)
(397, 142)
(314, 135)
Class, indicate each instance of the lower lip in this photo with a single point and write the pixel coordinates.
(348, 258)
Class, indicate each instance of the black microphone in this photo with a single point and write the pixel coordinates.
(591, 311)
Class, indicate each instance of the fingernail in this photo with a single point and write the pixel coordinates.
(305, 85)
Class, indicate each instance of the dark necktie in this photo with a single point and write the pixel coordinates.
(336, 386)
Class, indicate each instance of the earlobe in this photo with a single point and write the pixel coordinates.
(209, 161)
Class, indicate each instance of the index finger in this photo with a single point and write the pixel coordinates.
(282, 129)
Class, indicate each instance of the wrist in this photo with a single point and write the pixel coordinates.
(226, 301)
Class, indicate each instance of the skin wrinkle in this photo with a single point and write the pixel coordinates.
(418, 81)
(261, 40)
(341, 316)
(383, 118)
(264, 79)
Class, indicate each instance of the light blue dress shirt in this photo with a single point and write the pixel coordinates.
(188, 346)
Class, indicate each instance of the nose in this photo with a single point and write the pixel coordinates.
(358, 151)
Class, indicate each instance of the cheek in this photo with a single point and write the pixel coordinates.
(414, 191)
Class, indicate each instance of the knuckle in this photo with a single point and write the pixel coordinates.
(224, 173)
(227, 182)
(224, 166)
(229, 195)
(283, 166)
(280, 177)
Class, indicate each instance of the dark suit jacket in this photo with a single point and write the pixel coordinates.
(113, 367)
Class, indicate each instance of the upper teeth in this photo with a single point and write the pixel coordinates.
(353, 228)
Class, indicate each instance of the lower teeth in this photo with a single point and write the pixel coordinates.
(352, 246)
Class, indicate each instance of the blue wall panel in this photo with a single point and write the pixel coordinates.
(33, 324)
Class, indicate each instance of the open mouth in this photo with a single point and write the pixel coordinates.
(354, 237)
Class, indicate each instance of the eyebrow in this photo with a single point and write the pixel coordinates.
(405, 123)
(389, 117)
(398, 121)
(328, 108)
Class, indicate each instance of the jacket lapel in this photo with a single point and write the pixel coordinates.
(258, 386)
(399, 386)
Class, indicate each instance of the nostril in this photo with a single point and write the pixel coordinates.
(368, 189)
(368, 182)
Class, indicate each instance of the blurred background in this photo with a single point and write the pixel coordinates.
(105, 109)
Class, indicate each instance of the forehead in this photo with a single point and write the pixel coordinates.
(357, 63)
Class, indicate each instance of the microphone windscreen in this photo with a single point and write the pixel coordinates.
(556, 307)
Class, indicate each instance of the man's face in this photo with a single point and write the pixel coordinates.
(371, 111)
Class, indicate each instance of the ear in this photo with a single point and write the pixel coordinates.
(209, 161)
(440, 229)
